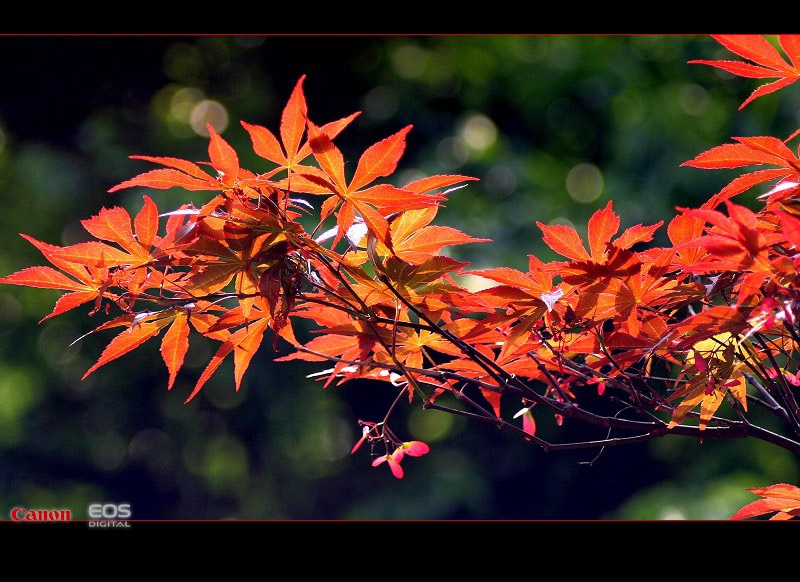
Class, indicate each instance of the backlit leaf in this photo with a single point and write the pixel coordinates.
(131, 338)
(564, 240)
(781, 498)
(380, 159)
(174, 346)
(769, 62)
(223, 157)
(293, 121)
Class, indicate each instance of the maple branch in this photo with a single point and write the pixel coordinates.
(791, 329)
(737, 431)
(655, 429)
(505, 380)
(776, 409)
(399, 364)
(771, 404)
(335, 272)
(432, 372)
(553, 382)
(632, 389)
(370, 320)
(376, 318)
(587, 373)
(571, 410)
(577, 368)
(501, 423)
(347, 307)
(459, 394)
(568, 410)
(728, 432)
(489, 367)
(391, 409)
(785, 391)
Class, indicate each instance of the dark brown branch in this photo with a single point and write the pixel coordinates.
(492, 420)
(769, 401)
(650, 429)
(741, 432)
(785, 390)
(489, 366)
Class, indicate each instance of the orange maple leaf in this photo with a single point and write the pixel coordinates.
(414, 240)
(373, 203)
(605, 257)
(144, 326)
(288, 153)
(783, 499)
(86, 268)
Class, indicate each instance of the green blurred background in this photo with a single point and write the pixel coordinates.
(554, 127)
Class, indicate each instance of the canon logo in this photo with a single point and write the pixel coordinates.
(22, 514)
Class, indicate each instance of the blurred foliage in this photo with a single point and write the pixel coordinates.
(554, 127)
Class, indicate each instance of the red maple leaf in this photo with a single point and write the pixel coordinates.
(748, 151)
(605, 257)
(84, 283)
(735, 243)
(769, 63)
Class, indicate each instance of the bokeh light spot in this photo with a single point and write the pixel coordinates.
(629, 108)
(10, 312)
(54, 343)
(474, 283)
(153, 448)
(183, 62)
(562, 220)
(585, 183)
(409, 61)
(18, 395)
(179, 111)
(210, 112)
(479, 132)
(223, 396)
(410, 175)
(442, 82)
(564, 53)
(183, 101)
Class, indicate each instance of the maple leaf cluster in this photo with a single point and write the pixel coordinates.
(684, 338)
